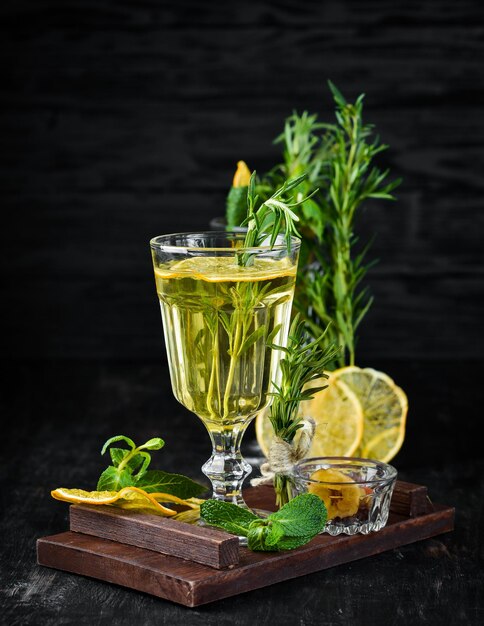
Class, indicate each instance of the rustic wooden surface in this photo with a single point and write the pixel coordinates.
(193, 584)
(203, 545)
(60, 416)
(207, 546)
(124, 120)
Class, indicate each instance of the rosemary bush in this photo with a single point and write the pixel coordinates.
(338, 161)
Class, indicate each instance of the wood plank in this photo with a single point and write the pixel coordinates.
(193, 584)
(208, 546)
(128, 566)
(410, 499)
(211, 547)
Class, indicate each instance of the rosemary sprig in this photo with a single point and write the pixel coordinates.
(304, 361)
(264, 223)
(340, 163)
(275, 214)
(335, 293)
(338, 160)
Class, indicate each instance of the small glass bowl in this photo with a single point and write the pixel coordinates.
(357, 492)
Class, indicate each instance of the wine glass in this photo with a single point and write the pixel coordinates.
(223, 306)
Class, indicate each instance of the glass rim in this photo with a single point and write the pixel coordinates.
(390, 471)
(156, 244)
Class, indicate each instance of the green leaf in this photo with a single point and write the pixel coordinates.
(257, 539)
(338, 96)
(153, 444)
(146, 461)
(236, 206)
(275, 534)
(289, 543)
(113, 479)
(129, 441)
(183, 487)
(251, 191)
(292, 526)
(275, 214)
(252, 338)
(314, 216)
(119, 454)
(232, 518)
(273, 333)
(303, 516)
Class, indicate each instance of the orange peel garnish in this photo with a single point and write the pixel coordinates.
(129, 494)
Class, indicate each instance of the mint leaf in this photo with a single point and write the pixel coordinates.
(129, 469)
(232, 518)
(129, 441)
(175, 484)
(117, 455)
(268, 536)
(303, 516)
(114, 479)
(257, 539)
(294, 525)
(153, 444)
(289, 543)
(138, 462)
(272, 539)
(275, 534)
(131, 461)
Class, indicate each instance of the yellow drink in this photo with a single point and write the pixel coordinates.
(218, 318)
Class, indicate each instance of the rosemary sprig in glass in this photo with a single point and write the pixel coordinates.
(275, 214)
(264, 223)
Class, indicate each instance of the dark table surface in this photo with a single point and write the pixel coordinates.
(61, 412)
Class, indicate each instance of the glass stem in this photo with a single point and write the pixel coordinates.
(226, 468)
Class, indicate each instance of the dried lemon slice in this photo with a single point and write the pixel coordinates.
(385, 408)
(338, 416)
(340, 499)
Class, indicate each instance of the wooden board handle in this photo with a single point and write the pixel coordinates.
(208, 546)
(410, 500)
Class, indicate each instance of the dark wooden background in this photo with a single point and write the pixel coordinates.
(124, 120)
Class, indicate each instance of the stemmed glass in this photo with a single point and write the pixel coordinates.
(222, 307)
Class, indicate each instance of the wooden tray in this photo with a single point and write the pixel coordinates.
(190, 583)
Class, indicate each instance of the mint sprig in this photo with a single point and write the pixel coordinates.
(294, 525)
(232, 518)
(130, 469)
